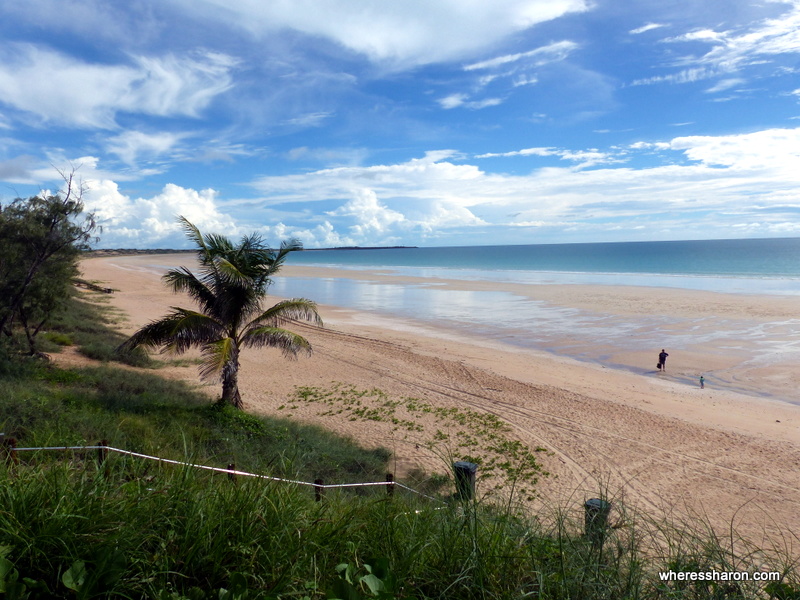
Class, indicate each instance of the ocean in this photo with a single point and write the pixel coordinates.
(748, 266)
(770, 266)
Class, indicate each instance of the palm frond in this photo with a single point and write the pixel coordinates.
(176, 332)
(294, 309)
(216, 356)
(183, 280)
(274, 337)
(287, 246)
(218, 245)
(232, 272)
(193, 233)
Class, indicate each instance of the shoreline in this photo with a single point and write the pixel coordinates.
(740, 343)
(655, 441)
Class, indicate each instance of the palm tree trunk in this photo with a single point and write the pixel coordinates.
(230, 383)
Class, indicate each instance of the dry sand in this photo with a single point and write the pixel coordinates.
(647, 437)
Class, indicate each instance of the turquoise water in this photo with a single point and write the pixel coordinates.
(755, 266)
(734, 258)
(766, 266)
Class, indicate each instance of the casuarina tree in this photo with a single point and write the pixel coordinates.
(41, 238)
(228, 289)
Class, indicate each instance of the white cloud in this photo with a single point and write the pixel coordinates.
(774, 149)
(700, 35)
(725, 84)
(130, 145)
(546, 54)
(523, 152)
(724, 175)
(461, 101)
(731, 51)
(685, 76)
(582, 158)
(56, 88)
(453, 101)
(152, 222)
(396, 34)
(314, 119)
(521, 80)
(644, 28)
(372, 218)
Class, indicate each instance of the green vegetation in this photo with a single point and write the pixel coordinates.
(461, 434)
(233, 282)
(41, 241)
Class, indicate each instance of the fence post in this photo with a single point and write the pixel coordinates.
(11, 450)
(102, 452)
(390, 487)
(465, 473)
(596, 520)
(319, 491)
(232, 476)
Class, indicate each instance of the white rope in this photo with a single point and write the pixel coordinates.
(228, 471)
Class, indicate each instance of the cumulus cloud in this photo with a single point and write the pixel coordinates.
(698, 176)
(773, 149)
(152, 222)
(56, 88)
(372, 218)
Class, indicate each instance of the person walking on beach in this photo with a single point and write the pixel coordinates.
(702, 382)
(662, 360)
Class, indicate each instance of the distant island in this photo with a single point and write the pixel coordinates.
(361, 248)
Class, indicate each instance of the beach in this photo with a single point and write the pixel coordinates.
(610, 422)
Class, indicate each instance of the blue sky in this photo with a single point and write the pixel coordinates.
(431, 123)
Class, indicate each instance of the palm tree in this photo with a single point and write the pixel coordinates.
(232, 281)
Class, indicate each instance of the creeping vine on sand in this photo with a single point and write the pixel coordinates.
(461, 434)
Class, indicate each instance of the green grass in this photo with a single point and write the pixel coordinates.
(144, 413)
(89, 324)
(126, 529)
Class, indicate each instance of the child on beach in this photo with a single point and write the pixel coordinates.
(702, 382)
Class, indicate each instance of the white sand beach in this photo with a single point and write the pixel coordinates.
(655, 439)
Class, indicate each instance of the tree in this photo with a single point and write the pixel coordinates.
(42, 239)
(229, 289)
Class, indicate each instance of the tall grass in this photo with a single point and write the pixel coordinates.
(128, 530)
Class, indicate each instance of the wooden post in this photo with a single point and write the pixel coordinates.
(102, 452)
(11, 451)
(390, 487)
(319, 491)
(232, 476)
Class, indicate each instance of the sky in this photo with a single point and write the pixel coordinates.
(418, 123)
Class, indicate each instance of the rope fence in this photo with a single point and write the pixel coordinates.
(11, 452)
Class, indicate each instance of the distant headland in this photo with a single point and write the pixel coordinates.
(136, 251)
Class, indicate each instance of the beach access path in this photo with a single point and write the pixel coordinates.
(649, 439)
